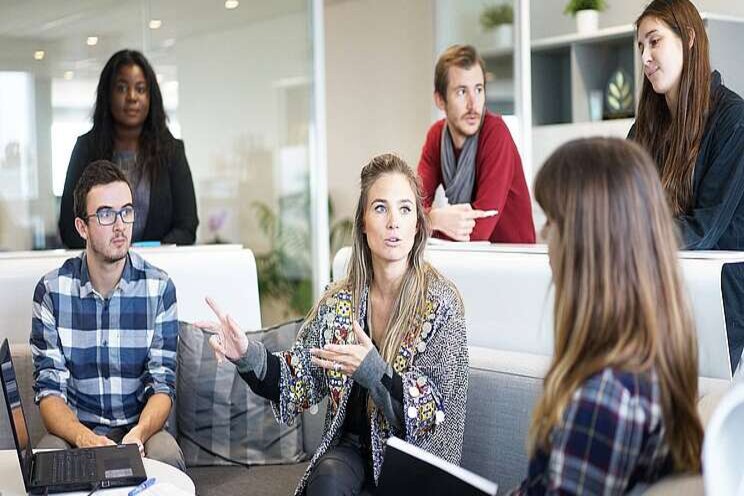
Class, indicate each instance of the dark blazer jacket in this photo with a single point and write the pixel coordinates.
(716, 219)
(172, 216)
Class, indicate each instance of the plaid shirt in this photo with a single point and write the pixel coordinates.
(611, 438)
(104, 357)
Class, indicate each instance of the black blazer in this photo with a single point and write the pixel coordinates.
(716, 219)
(171, 217)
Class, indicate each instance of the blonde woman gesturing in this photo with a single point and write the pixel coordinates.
(386, 345)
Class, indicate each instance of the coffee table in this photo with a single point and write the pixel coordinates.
(11, 481)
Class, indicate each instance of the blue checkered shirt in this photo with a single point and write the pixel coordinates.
(104, 357)
(611, 439)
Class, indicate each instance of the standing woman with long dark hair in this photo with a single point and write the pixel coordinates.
(693, 127)
(129, 129)
(618, 407)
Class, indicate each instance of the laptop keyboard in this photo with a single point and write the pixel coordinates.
(72, 466)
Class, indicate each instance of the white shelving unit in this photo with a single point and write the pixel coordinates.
(500, 90)
(565, 69)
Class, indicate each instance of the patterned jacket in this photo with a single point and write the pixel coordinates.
(432, 361)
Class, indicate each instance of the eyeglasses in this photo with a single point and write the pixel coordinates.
(107, 216)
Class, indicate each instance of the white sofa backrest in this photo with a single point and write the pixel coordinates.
(509, 300)
(227, 273)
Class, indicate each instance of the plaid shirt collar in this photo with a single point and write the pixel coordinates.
(86, 286)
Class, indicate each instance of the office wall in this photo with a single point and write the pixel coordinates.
(232, 92)
(379, 73)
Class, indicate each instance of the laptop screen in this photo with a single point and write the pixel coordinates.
(15, 410)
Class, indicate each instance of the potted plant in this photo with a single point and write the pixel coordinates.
(586, 13)
(497, 21)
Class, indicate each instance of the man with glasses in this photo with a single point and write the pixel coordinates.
(104, 332)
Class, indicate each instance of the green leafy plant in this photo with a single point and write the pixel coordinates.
(285, 270)
(574, 6)
(496, 15)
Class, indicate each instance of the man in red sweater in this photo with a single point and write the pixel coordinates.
(472, 155)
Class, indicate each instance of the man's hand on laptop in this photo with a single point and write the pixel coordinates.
(90, 439)
(133, 437)
(457, 221)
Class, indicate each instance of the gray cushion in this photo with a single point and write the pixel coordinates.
(498, 416)
(220, 420)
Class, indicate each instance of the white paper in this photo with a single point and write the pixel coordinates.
(440, 199)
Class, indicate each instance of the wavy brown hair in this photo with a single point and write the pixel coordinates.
(619, 299)
(462, 56)
(674, 141)
(412, 292)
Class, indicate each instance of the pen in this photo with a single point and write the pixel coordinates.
(149, 482)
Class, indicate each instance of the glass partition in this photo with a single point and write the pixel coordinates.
(237, 82)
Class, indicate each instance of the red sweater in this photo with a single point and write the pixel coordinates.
(499, 183)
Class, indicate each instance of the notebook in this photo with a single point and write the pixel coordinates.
(408, 469)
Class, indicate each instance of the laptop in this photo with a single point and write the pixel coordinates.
(65, 470)
(408, 469)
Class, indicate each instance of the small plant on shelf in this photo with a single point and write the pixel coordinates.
(494, 16)
(574, 6)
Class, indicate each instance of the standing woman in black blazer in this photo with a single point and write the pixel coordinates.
(129, 129)
(693, 127)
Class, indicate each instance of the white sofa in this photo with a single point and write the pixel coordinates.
(225, 272)
(508, 297)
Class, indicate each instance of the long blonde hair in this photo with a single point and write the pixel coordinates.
(619, 299)
(412, 293)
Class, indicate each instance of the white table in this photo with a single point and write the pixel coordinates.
(11, 481)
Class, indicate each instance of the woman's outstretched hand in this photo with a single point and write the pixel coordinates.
(227, 340)
(344, 358)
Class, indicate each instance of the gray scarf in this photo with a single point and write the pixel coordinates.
(459, 176)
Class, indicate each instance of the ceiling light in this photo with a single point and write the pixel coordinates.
(39, 55)
(155, 23)
(231, 4)
(92, 40)
(68, 75)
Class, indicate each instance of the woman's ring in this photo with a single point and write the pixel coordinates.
(336, 366)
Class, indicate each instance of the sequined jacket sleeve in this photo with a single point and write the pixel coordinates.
(435, 384)
(301, 384)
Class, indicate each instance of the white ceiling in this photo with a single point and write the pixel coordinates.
(61, 27)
